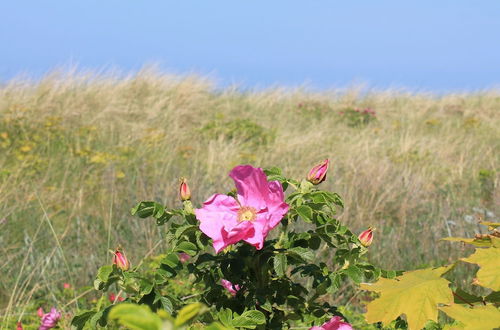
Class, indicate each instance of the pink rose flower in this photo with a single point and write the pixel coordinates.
(50, 319)
(232, 288)
(336, 323)
(259, 208)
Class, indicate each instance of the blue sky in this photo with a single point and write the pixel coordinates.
(426, 45)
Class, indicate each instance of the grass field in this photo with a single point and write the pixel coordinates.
(78, 151)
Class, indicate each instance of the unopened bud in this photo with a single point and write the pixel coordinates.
(120, 260)
(366, 237)
(19, 326)
(317, 174)
(40, 312)
(184, 191)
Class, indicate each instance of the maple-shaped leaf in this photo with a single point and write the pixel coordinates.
(489, 263)
(480, 242)
(478, 317)
(415, 294)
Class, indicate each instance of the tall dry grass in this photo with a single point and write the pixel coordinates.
(78, 150)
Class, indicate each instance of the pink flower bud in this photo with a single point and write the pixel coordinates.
(336, 323)
(50, 319)
(317, 174)
(232, 288)
(120, 260)
(66, 285)
(184, 191)
(40, 312)
(366, 237)
(183, 257)
(19, 326)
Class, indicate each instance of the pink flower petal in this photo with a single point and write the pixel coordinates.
(251, 184)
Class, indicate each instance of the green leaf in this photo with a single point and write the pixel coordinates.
(415, 294)
(81, 319)
(301, 253)
(225, 315)
(249, 319)
(216, 326)
(103, 275)
(167, 304)
(148, 209)
(189, 313)
(354, 273)
(305, 212)
(171, 260)
(135, 317)
(280, 264)
(489, 261)
(187, 247)
(477, 317)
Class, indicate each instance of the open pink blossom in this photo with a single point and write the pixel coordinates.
(50, 319)
(259, 208)
(232, 288)
(335, 323)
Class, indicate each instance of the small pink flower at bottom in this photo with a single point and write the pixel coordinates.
(50, 319)
(183, 257)
(19, 326)
(258, 208)
(40, 312)
(336, 323)
(232, 288)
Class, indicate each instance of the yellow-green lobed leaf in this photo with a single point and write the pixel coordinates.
(489, 263)
(478, 317)
(415, 294)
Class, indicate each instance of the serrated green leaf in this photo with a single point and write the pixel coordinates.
(354, 273)
(249, 319)
(148, 209)
(167, 304)
(477, 317)
(305, 212)
(302, 253)
(489, 262)
(187, 247)
(280, 264)
(135, 317)
(415, 294)
(78, 322)
(189, 313)
(171, 260)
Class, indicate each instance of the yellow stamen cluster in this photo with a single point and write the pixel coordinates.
(246, 213)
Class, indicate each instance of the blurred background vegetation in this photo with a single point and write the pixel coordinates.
(77, 151)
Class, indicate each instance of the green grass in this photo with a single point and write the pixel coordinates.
(78, 151)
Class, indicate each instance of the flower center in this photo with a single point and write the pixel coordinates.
(246, 213)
